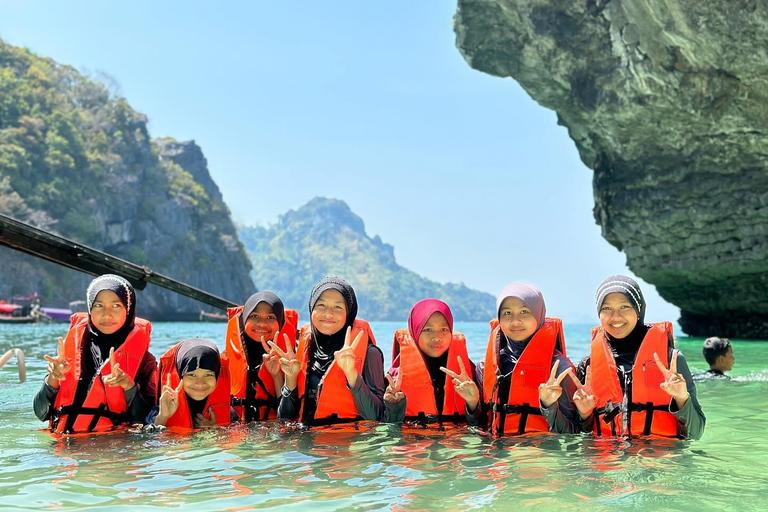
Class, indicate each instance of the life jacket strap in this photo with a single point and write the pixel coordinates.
(648, 408)
(524, 410)
(72, 412)
(431, 419)
(334, 419)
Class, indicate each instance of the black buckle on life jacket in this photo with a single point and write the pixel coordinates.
(524, 410)
(608, 413)
(72, 412)
(649, 409)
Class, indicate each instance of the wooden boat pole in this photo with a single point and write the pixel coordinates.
(30, 240)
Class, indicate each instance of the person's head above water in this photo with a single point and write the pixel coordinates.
(332, 306)
(521, 311)
(198, 364)
(620, 306)
(430, 324)
(719, 354)
(263, 316)
(111, 302)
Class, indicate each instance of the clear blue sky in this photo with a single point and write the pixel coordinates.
(467, 177)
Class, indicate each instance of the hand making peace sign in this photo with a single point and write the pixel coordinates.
(583, 398)
(289, 364)
(392, 394)
(346, 358)
(674, 383)
(169, 401)
(57, 367)
(117, 376)
(550, 391)
(464, 385)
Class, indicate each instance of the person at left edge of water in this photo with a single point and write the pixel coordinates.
(103, 374)
(338, 350)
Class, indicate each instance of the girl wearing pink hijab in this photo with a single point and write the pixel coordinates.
(432, 380)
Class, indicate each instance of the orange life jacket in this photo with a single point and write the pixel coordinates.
(519, 413)
(335, 403)
(647, 405)
(253, 390)
(104, 406)
(416, 382)
(218, 400)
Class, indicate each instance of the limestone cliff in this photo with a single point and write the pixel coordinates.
(77, 161)
(667, 101)
(324, 237)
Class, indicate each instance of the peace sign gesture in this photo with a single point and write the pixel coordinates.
(271, 361)
(674, 383)
(464, 386)
(289, 364)
(583, 398)
(57, 367)
(392, 394)
(169, 401)
(346, 358)
(550, 391)
(117, 377)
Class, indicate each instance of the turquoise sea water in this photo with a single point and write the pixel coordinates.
(384, 467)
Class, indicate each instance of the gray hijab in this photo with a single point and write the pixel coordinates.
(530, 295)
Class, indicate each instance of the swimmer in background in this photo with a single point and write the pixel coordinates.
(719, 355)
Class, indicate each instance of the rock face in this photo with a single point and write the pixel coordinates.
(324, 237)
(78, 162)
(667, 101)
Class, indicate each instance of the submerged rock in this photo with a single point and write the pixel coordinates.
(667, 101)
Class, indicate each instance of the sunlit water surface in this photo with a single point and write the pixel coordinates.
(384, 467)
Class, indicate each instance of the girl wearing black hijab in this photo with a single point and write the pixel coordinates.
(256, 377)
(195, 390)
(104, 351)
(634, 381)
(335, 338)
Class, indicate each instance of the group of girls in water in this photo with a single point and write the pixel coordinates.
(633, 383)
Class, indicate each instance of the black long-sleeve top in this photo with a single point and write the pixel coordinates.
(368, 391)
(139, 399)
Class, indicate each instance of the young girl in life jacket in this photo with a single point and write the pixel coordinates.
(195, 391)
(337, 373)
(103, 373)
(634, 382)
(432, 379)
(255, 373)
(524, 367)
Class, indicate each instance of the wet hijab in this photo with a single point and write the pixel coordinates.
(417, 320)
(253, 348)
(509, 351)
(100, 343)
(326, 345)
(628, 287)
(194, 353)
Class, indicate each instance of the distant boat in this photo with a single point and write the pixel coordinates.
(213, 317)
(57, 314)
(27, 310)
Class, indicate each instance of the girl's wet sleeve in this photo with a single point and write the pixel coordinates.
(288, 408)
(140, 398)
(44, 400)
(478, 417)
(368, 391)
(394, 413)
(690, 419)
(562, 416)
